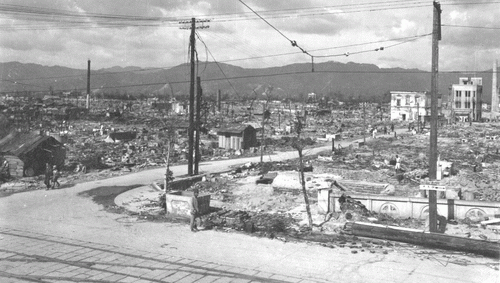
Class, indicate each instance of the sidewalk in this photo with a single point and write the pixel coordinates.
(34, 257)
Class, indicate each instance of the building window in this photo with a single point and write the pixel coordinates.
(458, 104)
(467, 104)
(458, 93)
(398, 102)
(467, 93)
(473, 93)
(407, 100)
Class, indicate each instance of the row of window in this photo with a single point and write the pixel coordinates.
(467, 104)
(407, 102)
(458, 93)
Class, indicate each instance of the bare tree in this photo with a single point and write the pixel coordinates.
(266, 114)
(299, 144)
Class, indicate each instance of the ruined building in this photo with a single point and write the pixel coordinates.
(466, 99)
(408, 105)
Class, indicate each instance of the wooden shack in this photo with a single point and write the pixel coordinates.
(237, 137)
(31, 151)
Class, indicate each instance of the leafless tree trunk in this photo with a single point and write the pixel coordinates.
(167, 177)
(299, 146)
(304, 191)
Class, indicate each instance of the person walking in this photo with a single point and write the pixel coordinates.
(48, 175)
(374, 133)
(195, 211)
(398, 163)
(55, 176)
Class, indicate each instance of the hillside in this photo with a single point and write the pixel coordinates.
(350, 79)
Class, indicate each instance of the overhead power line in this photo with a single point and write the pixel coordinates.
(293, 42)
(48, 18)
(474, 27)
(213, 58)
(276, 75)
(94, 74)
(373, 50)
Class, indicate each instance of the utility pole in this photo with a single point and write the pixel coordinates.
(197, 156)
(364, 123)
(88, 84)
(262, 135)
(191, 99)
(418, 115)
(192, 43)
(218, 100)
(433, 154)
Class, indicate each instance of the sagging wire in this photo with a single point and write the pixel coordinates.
(217, 63)
(293, 42)
(382, 48)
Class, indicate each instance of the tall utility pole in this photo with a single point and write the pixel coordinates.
(218, 100)
(197, 156)
(364, 123)
(433, 154)
(418, 115)
(88, 84)
(262, 135)
(191, 99)
(191, 92)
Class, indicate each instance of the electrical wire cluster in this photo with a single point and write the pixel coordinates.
(37, 18)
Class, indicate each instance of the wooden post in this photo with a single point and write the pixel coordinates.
(451, 209)
(88, 85)
(431, 189)
(197, 156)
(168, 167)
(436, 36)
(364, 124)
(262, 137)
(191, 99)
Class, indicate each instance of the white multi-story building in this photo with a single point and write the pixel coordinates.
(408, 105)
(466, 99)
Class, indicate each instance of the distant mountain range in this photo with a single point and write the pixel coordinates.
(349, 79)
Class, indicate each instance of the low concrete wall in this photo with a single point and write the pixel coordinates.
(185, 183)
(180, 202)
(415, 207)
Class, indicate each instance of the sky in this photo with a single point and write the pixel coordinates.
(249, 33)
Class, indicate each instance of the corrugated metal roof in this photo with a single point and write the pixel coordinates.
(20, 143)
(233, 130)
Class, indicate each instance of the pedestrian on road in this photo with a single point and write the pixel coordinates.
(374, 133)
(398, 163)
(55, 176)
(392, 127)
(48, 175)
(195, 211)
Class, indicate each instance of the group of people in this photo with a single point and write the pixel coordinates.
(374, 130)
(52, 175)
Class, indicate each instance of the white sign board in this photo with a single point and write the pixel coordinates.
(433, 188)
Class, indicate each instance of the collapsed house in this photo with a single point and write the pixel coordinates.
(27, 153)
(120, 137)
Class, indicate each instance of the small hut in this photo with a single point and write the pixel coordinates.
(237, 137)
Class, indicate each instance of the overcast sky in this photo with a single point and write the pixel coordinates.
(147, 33)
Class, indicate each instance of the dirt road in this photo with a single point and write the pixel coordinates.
(59, 236)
